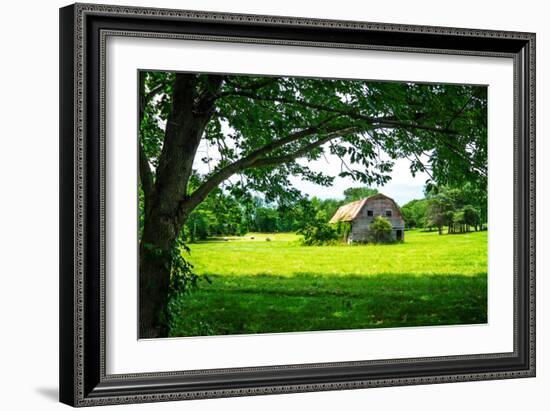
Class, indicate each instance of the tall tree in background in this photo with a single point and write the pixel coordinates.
(414, 213)
(266, 129)
(358, 193)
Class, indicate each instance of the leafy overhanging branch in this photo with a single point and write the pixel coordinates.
(261, 158)
(264, 90)
(386, 121)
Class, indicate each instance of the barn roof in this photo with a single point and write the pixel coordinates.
(350, 211)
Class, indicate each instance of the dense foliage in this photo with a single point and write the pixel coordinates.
(458, 209)
(319, 233)
(380, 230)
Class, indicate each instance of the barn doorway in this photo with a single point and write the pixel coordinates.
(399, 235)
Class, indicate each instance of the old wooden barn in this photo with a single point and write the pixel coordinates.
(361, 213)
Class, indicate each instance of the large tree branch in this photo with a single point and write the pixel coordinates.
(319, 128)
(252, 86)
(388, 122)
(479, 168)
(205, 102)
(459, 112)
(273, 161)
(260, 158)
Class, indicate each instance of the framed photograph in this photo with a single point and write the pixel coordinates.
(261, 204)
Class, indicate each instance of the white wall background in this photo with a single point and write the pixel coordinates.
(29, 204)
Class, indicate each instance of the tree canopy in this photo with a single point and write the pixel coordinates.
(358, 193)
(262, 126)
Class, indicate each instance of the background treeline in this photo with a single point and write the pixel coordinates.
(457, 209)
(223, 214)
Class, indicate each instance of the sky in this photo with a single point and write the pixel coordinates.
(402, 187)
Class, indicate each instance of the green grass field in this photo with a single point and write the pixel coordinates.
(261, 286)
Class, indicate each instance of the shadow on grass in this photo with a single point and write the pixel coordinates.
(312, 302)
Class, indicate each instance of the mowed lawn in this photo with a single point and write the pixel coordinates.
(261, 286)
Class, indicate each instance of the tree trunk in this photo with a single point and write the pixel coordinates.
(167, 210)
(159, 235)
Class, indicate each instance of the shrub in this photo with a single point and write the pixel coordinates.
(380, 230)
(319, 233)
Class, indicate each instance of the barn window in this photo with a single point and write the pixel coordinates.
(388, 213)
(370, 213)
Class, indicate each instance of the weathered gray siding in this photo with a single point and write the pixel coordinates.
(378, 206)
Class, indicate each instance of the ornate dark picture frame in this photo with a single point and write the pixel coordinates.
(83, 380)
